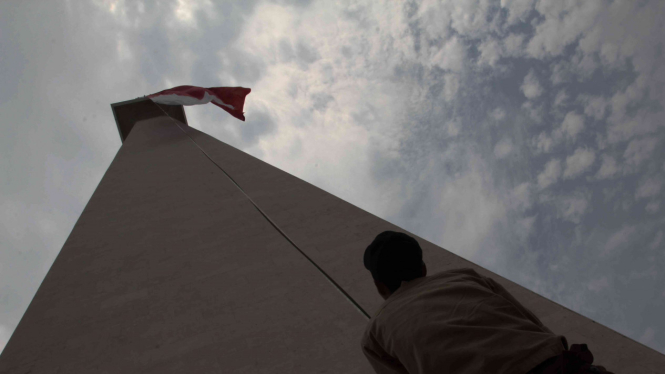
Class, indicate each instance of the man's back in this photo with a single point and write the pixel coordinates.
(460, 322)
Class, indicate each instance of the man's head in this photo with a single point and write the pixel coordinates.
(393, 258)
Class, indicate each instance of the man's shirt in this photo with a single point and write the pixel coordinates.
(456, 322)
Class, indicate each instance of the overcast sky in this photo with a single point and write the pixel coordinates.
(525, 136)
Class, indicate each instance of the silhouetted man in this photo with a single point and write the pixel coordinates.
(456, 321)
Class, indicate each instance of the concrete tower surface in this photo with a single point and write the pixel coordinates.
(171, 268)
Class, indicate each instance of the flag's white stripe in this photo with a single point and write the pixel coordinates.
(175, 99)
(220, 102)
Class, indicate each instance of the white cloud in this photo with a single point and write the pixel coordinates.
(543, 143)
(594, 106)
(634, 26)
(517, 10)
(350, 67)
(639, 150)
(578, 162)
(450, 87)
(471, 210)
(451, 56)
(503, 148)
(652, 207)
(599, 284)
(572, 208)
(186, 10)
(619, 239)
(435, 19)
(534, 112)
(498, 114)
(550, 174)
(452, 127)
(561, 98)
(524, 227)
(657, 240)
(572, 124)
(490, 52)
(649, 187)
(560, 73)
(521, 197)
(469, 17)
(563, 23)
(608, 168)
(512, 45)
(531, 86)
(622, 127)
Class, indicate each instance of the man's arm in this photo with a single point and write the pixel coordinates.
(380, 360)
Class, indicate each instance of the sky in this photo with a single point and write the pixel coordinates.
(525, 136)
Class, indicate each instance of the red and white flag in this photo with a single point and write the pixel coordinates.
(231, 99)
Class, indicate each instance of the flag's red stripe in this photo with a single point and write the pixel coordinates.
(193, 91)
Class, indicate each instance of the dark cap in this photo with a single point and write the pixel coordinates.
(393, 255)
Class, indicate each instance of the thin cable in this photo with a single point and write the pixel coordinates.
(268, 218)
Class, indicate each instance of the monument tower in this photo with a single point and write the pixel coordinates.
(194, 257)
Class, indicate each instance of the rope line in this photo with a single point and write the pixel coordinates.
(360, 309)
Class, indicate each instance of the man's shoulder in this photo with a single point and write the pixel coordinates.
(427, 281)
(464, 270)
(449, 274)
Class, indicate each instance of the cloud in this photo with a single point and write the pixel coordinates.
(594, 106)
(608, 168)
(657, 240)
(452, 127)
(531, 86)
(599, 284)
(460, 210)
(578, 162)
(551, 173)
(572, 125)
(521, 197)
(498, 114)
(560, 99)
(451, 56)
(619, 239)
(517, 10)
(503, 148)
(258, 124)
(451, 85)
(534, 111)
(652, 207)
(572, 208)
(649, 187)
(185, 11)
(563, 23)
(622, 127)
(639, 150)
(560, 72)
(490, 52)
(524, 227)
(512, 45)
(543, 143)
